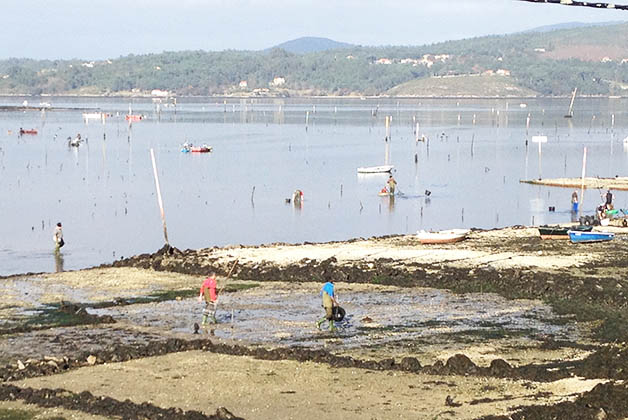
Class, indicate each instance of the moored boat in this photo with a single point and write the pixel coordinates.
(583, 237)
(443, 236)
(560, 232)
(87, 116)
(189, 148)
(31, 131)
(134, 117)
(375, 169)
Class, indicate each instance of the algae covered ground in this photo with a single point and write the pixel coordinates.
(502, 324)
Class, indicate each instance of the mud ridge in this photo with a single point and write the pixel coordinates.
(507, 281)
(458, 364)
(104, 406)
(608, 401)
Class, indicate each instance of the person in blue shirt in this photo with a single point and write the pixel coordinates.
(329, 301)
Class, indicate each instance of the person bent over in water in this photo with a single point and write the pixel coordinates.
(329, 301)
(208, 291)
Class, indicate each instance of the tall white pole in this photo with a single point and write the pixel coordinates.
(159, 200)
(540, 157)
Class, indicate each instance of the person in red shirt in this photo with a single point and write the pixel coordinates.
(208, 291)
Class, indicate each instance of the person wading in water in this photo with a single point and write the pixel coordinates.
(392, 185)
(58, 237)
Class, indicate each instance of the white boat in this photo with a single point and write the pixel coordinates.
(443, 236)
(375, 169)
(386, 167)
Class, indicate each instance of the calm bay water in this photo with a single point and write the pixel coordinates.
(104, 191)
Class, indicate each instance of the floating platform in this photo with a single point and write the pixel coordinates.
(616, 183)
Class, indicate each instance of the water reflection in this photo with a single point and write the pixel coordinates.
(58, 261)
(261, 142)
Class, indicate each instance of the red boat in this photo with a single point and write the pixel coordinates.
(134, 117)
(200, 149)
(188, 148)
(31, 131)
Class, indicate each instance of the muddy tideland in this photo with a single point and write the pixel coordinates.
(503, 325)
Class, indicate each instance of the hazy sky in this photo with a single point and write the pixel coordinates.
(97, 29)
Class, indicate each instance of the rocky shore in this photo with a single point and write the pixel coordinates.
(122, 333)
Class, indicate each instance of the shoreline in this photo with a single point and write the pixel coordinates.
(93, 330)
(294, 96)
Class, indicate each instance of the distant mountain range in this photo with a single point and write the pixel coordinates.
(309, 44)
(571, 25)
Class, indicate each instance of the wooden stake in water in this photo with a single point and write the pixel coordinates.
(416, 133)
(159, 200)
(573, 97)
(584, 167)
(307, 119)
(388, 118)
(591, 124)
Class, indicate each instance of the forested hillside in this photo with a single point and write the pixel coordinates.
(594, 59)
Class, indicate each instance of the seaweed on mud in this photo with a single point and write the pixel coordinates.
(63, 314)
(487, 333)
(157, 296)
(16, 414)
(605, 401)
(104, 406)
(238, 287)
(613, 322)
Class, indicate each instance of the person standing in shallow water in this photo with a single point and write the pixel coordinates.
(208, 291)
(328, 294)
(58, 237)
(392, 184)
(574, 201)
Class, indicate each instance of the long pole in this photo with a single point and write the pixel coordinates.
(584, 167)
(228, 275)
(159, 200)
(540, 157)
(573, 97)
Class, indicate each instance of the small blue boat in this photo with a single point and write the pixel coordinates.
(578, 237)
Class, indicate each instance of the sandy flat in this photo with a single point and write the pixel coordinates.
(258, 389)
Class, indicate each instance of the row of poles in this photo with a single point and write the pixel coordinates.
(388, 122)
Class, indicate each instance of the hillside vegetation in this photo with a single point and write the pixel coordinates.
(594, 59)
(461, 86)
